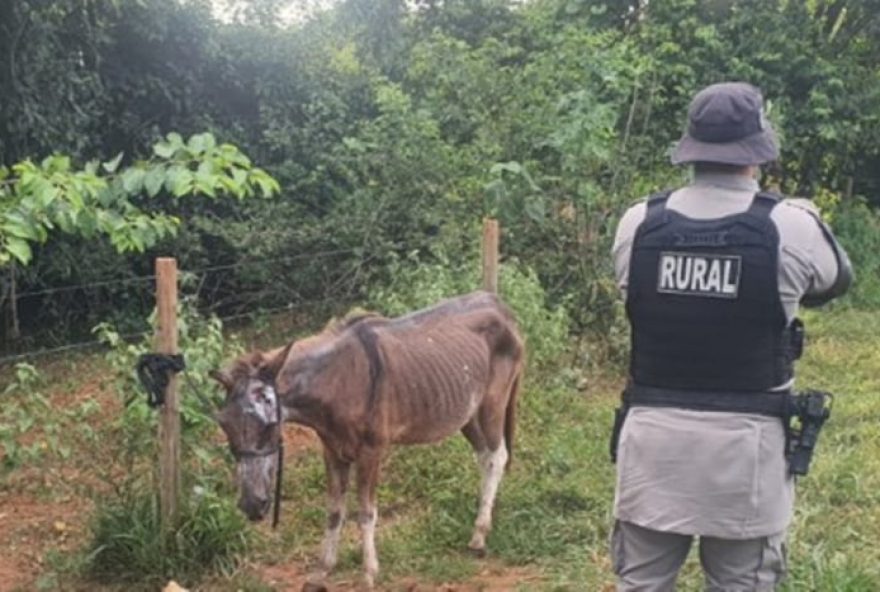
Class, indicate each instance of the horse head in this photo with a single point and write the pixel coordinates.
(251, 417)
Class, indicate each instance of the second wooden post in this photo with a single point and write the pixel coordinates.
(169, 422)
(490, 255)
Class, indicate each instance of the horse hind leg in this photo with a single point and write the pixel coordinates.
(491, 463)
(492, 457)
(488, 432)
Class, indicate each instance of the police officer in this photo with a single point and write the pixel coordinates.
(713, 275)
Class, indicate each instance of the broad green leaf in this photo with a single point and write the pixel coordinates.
(20, 249)
(265, 186)
(354, 145)
(111, 165)
(53, 197)
(196, 145)
(153, 180)
(92, 167)
(20, 230)
(202, 184)
(206, 169)
(132, 180)
(57, 163)
(200, 143)
(45, 193)
(240, 178)
(534, 208)
(179, 181)
(176, 140)
(268, 185)
(164, 150)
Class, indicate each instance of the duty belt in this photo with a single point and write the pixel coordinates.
(808, 407)
(773, 403)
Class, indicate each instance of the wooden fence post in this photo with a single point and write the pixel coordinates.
(169, 423)
(490, 255)
(14, 327)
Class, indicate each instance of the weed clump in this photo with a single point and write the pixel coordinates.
(128, 545)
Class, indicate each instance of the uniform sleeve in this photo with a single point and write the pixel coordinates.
(814, 267)
(623, 240)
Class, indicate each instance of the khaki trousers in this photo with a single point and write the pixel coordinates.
(648, 560)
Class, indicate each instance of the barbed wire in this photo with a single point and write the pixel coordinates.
(84, 286)
(293, 306)
(297, 257)
(84, 345)
(206, 269)
(290, 307)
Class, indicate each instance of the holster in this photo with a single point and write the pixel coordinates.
(619, 418)
(796, 334)
(810, 408)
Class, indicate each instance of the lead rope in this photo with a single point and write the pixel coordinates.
(279, 472)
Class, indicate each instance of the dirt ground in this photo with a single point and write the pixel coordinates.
(491, 579)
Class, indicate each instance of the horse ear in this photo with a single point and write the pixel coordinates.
(270, 366)
(223, 378)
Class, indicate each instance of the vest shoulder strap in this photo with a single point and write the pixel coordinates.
(656, 205)
(763, 203)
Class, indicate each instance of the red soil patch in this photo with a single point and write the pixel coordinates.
(290, 578)
(298, 439)
(30, 527)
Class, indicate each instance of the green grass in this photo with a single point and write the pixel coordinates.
(553, 513)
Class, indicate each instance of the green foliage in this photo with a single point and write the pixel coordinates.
(859, 228)
(36, 199)
(31, 429)
(205, 348)
(544, 327)
(24, 405)
(392, 130)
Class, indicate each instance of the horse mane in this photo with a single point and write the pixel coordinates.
(355, 317)
(245, 365)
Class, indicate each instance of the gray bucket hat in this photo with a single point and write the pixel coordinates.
(726, 124)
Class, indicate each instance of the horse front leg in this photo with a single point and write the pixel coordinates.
(337, 485)
(368, 479)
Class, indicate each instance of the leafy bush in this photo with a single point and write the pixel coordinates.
(858, 227)
(128, 543)
(32, 428)
(23, 404)
(417, 285)
(204, 346)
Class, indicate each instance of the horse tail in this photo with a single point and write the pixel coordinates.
(510, 415)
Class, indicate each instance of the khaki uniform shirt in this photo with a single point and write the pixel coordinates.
(713, 473)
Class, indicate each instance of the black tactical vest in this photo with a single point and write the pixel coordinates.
(703, 301)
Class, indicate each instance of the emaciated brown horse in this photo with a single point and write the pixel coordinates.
(368, 383)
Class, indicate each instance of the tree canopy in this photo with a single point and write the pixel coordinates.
(393, 126)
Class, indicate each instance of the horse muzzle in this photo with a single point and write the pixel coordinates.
(255, 509)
